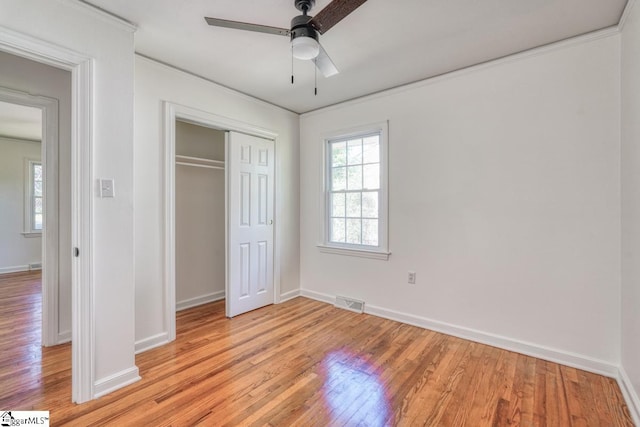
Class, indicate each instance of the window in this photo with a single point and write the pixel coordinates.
(34, 206)
(356, 193)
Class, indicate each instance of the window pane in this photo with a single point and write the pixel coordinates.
(354, 205)
(37, 205)
(37, 188)
(354, 179)
(37, 172)
(338, 179)
(370, 205)
(338, 154)
(371, 176)
(338, 205)
(355, 187)
(354, 231)
(37, 220)
(354, 152)
(371, 149)
(338, 230)
(370, 232)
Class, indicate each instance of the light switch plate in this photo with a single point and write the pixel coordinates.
(106, 188)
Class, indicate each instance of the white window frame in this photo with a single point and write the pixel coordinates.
(374, 252)
(29, 229)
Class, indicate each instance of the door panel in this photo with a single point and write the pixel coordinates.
(250, 205)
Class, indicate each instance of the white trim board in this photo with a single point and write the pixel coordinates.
(151, 342)
(553, 355)
(200, 300)
(289, 295)
(103, 15)
(625, 14)
(116, 381)
(226, 89)
(82, 141)
(629, 394)
(64, 337)
(171, 113)
(14, 269)
(518, 56)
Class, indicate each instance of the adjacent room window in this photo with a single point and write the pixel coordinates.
(34, 212)
(356, 193)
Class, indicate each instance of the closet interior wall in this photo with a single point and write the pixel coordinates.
(200, 215)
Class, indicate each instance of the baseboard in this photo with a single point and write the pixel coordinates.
(630, 395)
(151, 342)
(318, 296)
(14, 269)
(115, 382)
(64, 337)
(203, 299)
(553, 355)
(289, 295)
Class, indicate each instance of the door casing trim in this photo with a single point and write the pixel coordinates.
(173, 112)
(82, 142)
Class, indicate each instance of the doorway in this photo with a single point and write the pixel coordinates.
(32, 227)
(80, 68)
(251, 261)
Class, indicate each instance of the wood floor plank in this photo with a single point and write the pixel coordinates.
(301, 363)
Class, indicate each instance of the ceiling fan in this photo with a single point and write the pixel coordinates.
(305, 30)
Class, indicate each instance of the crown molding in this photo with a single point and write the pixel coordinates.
(625, 14)
(519, 56)
(220, 86)
(103, 15)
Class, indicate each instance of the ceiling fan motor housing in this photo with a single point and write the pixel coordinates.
(300, 27)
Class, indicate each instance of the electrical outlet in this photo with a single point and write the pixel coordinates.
(412, 277)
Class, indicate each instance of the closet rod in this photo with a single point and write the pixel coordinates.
(201, 160)
(200, 166)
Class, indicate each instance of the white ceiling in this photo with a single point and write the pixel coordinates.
(17, 121)
(382, 44)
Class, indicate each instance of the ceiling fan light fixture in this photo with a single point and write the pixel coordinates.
(305, 47)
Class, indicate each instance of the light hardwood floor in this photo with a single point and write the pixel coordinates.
(301, 363)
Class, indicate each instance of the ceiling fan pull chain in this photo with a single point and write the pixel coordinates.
(315, 75)
(291, 65)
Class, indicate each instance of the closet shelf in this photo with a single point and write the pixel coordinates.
(199, 162)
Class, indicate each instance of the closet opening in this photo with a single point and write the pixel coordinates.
(220, 223)
(199, 215)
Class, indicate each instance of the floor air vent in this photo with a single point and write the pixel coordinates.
(350, 304)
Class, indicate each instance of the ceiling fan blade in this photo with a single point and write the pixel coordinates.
(335, 12)
(325, 64)
(246, 26)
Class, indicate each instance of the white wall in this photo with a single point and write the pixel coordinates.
(75, 26)
(16, 250)
(504, 199)
(38, 79)
(631, 205)
(200, 218)
(154, 84)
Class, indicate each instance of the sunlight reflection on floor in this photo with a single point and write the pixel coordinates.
(354, 396)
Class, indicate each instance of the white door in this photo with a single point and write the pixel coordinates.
(251, 169)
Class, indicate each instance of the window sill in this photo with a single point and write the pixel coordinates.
(362, 253)
(32, 234)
